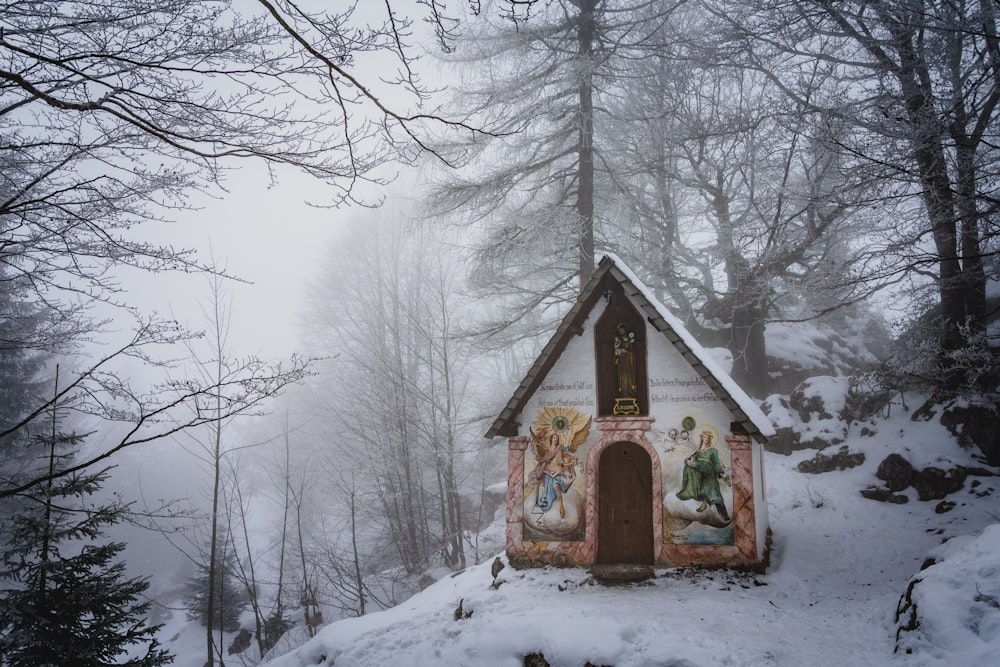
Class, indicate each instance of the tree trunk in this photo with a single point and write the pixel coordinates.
(46, 550)
(585, 183)
(973, 274)
(749, 349)
(211, 603)
(359, 581)
(746, 306)
(938, 196)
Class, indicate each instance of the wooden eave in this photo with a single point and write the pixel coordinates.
(572, 325)
(506, 424)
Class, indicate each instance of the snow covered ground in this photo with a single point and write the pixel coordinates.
(839, 566)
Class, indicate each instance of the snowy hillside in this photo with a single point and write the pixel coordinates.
(840, 567)
(840, 564)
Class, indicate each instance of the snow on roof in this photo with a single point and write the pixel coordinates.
(742, 406)
(746, 404)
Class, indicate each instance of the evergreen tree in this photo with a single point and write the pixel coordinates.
(66, 599)
(231, 598)
(29, 336)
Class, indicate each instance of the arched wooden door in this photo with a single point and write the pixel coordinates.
(625, 505)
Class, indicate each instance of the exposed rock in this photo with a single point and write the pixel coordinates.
(426, 580)
(817, 403)
(895, 471)
(907, 619)
(820, 442)
(975, 425)
(806, 405)
(784, 441)
(925, 412)
(538, 660)
(930, 483)
(884, 495)
(495, 570)
(241, 641)
(944, 506)
(842, 460)
(843, 344)
(934, 483)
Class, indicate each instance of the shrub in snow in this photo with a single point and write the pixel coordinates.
(867, 397)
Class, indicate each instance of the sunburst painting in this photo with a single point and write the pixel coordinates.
(554, 491)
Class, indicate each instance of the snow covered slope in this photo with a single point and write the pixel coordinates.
(840, 564)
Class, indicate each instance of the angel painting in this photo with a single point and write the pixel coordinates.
(555, 438)
(554, 473)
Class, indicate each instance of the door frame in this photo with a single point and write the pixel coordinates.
(623, 429)
(606, 528)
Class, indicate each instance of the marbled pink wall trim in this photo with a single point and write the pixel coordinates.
(515, 493)
(744, 516)
(622, 429)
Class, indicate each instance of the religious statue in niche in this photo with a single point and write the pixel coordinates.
(554, 507)
(624, 350)
(698, 485)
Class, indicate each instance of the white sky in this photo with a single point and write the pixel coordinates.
(268, 237)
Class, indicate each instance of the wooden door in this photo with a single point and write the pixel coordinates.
(625, 505)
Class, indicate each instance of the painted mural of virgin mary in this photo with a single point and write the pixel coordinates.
(702, 472)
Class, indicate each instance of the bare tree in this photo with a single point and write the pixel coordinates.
(214, 366)
(394, 391)
(114, 113)
(918, 83)
(542, 75)
(280, 474)
(732, 200)
(165, 409)
(247, 564)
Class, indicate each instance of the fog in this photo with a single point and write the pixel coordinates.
(774, 194)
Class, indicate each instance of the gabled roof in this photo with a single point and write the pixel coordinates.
(743, 408)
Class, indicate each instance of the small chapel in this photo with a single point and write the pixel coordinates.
(628, 444)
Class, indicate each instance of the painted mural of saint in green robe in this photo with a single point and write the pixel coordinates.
(702, 472)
